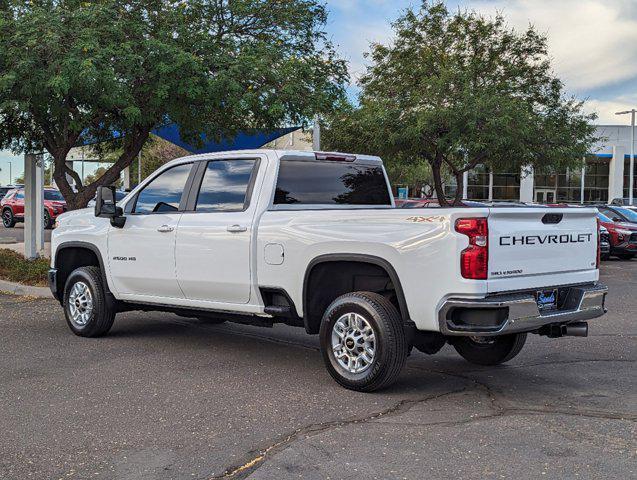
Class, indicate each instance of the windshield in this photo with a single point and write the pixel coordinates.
(604, 218)
(629, 214)
(53, 195)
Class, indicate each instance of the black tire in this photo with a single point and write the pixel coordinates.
(47, 220)
(489, 350)
(605, 256)
(8, 220)
(626, 256)
(100, 319)
(390, 344)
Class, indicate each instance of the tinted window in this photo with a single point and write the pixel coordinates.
(326, 183)
(163, 194)
(604, 218)
(225, 186)
(53, 195)
(627, 214)
(20, 195)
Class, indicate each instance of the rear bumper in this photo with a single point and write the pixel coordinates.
(519, 312)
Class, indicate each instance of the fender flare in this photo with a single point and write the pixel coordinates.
(361, 258)
(98, 254)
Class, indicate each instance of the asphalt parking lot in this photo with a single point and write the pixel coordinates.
(16, 234)
(164, 397)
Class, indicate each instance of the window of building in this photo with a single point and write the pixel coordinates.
(627, 177)
(224, 187)
(506, 186)
(478, 183)
(330, 183)
(163, 193)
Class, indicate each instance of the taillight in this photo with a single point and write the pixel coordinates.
(599, 244)
(474, 260)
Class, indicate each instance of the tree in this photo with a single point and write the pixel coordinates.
(73, 71)
(456, 90)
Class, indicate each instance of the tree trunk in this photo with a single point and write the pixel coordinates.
(440, 191)
(457, 201)
(79, 199)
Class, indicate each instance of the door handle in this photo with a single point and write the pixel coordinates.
(165, 229)
(236, 228)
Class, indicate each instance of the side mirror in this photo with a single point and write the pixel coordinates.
(106, 206)
(617, 219)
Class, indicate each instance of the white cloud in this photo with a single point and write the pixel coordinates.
(606, 109)
(593, 42)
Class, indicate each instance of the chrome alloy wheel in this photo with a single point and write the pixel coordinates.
(353, 342)
(6, 218)
(80, 304)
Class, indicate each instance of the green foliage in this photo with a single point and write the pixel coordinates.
(72, 70)
(15, 268)
(459, 89)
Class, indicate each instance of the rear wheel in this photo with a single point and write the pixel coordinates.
(489, 350)
(8, 220)
(85, 306)
(47, 219)
(363, 341)
(626, 256)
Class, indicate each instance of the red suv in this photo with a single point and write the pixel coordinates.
(623, 237)
(12, 206)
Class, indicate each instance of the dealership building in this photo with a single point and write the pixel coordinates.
(604, 175)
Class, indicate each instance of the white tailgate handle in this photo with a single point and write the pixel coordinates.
(165, 229)
(236, 228)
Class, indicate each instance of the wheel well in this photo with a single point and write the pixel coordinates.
(70, 258)
(327, 280)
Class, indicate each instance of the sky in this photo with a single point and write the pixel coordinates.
(593, 44)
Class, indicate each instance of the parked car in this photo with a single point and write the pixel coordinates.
(312, 240)
(5, 189)
(622, 237)
(624, 202)
(619, 214)
(604, 242)
(12, 206)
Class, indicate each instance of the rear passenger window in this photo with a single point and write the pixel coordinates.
(330, 183)
(163, 194)
(225, 186)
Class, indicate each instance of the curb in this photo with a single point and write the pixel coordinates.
(19, 289)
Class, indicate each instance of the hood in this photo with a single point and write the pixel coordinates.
(626, 226)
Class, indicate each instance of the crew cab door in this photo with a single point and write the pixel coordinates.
(214, 235)
(141, 255)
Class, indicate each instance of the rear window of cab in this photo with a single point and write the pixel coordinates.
(330, 183)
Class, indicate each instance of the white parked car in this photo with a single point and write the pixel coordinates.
(313, 240)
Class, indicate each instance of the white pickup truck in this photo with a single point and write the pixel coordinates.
(314, 240)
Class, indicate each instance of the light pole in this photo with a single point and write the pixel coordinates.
(10, 174)
(631, 180)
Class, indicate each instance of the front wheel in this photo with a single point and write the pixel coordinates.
(85, 306)
(363, 341)
(8, 220)
(489, 350)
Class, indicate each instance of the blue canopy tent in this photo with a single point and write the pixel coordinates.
(242, 141)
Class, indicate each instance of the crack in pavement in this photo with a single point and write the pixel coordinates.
(241, 471)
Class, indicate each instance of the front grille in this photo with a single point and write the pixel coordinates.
(604, 238)
(633, 238)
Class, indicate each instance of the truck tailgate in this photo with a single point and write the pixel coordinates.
(541, 242)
